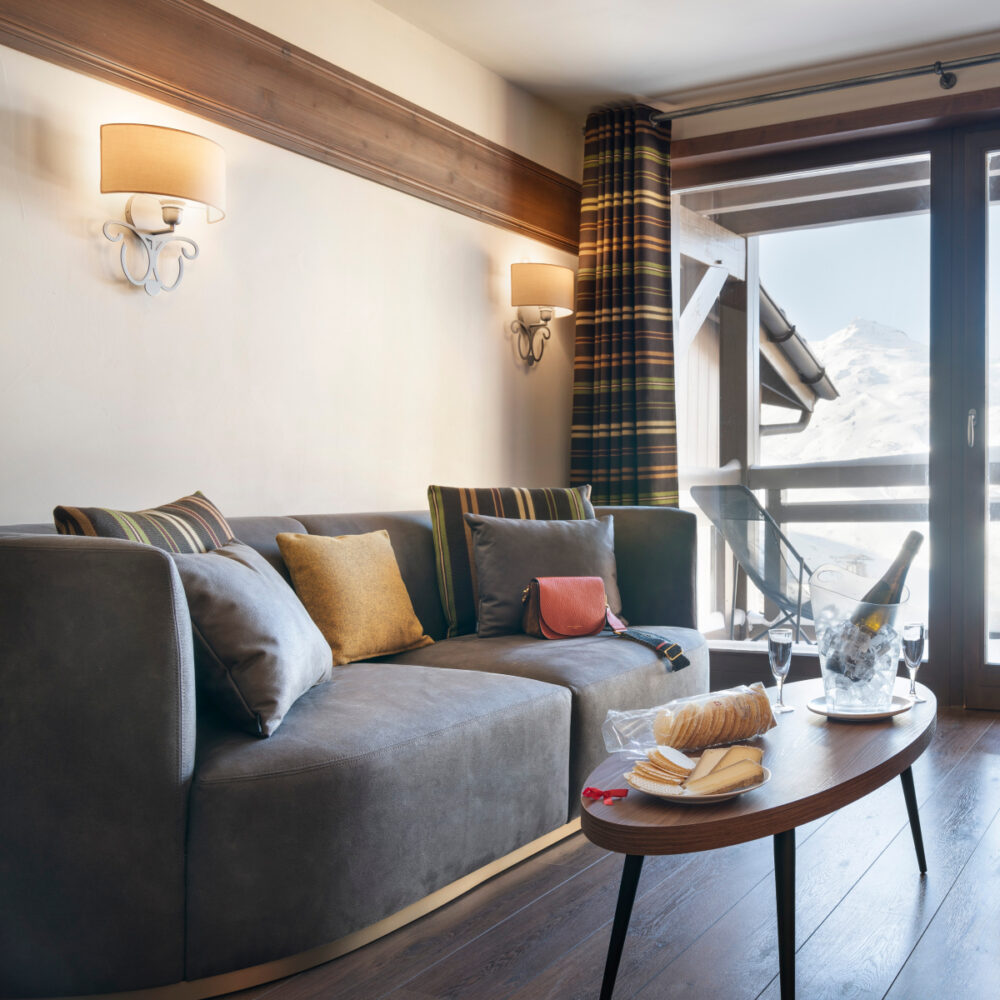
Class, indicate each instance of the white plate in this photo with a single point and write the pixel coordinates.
(900, 704)
(683, 798)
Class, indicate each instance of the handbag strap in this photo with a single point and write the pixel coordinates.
(672, 651)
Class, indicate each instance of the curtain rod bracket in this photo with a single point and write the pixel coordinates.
(946, 80)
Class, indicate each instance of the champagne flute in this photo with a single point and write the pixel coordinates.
(913, 654)
(779, 653)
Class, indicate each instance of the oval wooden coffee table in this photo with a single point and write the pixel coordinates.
(817, 765)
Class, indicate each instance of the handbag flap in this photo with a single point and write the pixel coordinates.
(571, 605)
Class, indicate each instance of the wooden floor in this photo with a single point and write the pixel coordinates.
(704, 924)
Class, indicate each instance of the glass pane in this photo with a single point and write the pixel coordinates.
(838, 460)
(993, 408)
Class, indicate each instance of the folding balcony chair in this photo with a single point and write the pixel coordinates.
(761, 551)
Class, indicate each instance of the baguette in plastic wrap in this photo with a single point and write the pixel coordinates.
(738, 713)
(704, 720)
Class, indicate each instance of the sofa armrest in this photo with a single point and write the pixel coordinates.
(655, 552)
(96, 757)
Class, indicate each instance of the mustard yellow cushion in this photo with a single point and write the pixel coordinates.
(352, 589)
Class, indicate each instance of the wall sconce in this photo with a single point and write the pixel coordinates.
(549, 289)
(162, 169)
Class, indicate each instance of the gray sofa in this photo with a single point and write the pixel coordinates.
(143, 842)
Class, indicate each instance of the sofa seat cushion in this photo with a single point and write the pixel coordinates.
(381, 786)
(601, 672)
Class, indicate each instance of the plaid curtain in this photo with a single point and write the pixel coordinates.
(624, 422)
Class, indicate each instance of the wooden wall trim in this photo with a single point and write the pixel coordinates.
(688, 155)
(196, 57)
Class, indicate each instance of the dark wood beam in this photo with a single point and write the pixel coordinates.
(935, 112)
(196, 57)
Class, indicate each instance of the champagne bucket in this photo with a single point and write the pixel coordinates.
(859, 669)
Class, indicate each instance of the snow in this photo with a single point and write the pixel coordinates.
(883, 379)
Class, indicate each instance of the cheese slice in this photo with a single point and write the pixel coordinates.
(708, 761)
(742, 774)
(734, 754)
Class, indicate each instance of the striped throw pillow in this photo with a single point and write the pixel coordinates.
(191, 524)
(456, 568)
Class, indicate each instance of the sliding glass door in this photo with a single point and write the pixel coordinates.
(979, 345)
(839, 356)
(804, 379)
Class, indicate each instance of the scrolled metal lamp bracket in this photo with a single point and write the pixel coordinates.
(152, 243)
(531, 285)
(526, 335)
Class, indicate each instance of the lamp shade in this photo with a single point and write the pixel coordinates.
(542, 285)
(165, 162)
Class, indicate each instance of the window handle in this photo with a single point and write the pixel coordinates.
(970, 432)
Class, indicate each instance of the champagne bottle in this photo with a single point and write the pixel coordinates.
(874, 612)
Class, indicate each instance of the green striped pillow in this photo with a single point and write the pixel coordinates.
(456, 568)
(191, 524)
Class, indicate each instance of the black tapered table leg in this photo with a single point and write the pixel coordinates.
(784, 888)
(910, 795)
(623, 913)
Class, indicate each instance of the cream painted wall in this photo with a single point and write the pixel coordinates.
(377, 45)
(337, 346)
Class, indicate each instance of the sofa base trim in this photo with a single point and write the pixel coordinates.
(255, 975)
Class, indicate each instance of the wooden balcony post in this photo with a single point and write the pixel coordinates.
(739, 376)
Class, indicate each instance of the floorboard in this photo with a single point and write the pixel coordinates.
(868, 926)
(385, 964)
(859, 950)
(959, 952)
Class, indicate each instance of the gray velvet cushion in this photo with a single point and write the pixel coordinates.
(509, 552)
(381, 787)
(257, 648)
(601, 672)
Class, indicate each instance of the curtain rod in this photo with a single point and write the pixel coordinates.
(944, 70)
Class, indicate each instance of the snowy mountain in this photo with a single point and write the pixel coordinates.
(883, 377)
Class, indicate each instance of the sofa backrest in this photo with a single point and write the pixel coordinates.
(413, 543)
(259, 533)
(409, 532)
(654, 549)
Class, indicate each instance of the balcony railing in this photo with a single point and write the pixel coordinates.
(884, 472)
(908, 472)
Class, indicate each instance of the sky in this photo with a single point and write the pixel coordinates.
(878, 270)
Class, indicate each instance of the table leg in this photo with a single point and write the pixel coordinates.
(910, 795)
(623, 913)
(784, 887)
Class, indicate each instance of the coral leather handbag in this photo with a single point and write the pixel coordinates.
(567, 607)
(564, 607)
